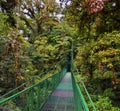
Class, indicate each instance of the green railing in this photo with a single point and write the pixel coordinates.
(32, 98)
(86, 93)
(79, 100)
(80, 103)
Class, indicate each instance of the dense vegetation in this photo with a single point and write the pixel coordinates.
(35, 38)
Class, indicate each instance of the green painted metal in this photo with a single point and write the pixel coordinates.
(79, 100)
(87, 93)
(62, 97)
(32, 98)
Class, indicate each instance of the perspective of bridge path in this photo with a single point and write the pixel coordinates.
(62, 98)
(50, 94)
(41, 96)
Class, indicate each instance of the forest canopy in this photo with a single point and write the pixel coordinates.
(36, 35)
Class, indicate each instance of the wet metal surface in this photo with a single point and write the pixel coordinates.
(62, 98)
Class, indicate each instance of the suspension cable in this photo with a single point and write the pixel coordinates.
(86, 90)
(30, 80)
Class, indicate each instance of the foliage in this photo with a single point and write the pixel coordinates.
(97, 47)
(106, 20)
(11, 54)
(50, 51)
(33, 41)
(3, 26)
(103, 54)
(98, 61)
(104, 104)
(23, 46)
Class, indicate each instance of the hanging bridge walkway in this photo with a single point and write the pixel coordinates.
(59, 92)
(62, 98)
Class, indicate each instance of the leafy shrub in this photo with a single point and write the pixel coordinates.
(104, 104)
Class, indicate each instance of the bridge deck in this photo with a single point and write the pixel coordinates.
(62, 98)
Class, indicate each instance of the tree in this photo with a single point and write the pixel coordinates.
(8, 7)
(97, 25)
(36, 15)
(105, 19)
(12, 46)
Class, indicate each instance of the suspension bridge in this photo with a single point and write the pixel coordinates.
(58, 92)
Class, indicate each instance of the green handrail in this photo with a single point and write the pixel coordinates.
(80, 103)
(87, 93)
(33, 98)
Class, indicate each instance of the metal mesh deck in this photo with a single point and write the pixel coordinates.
(62, 98)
